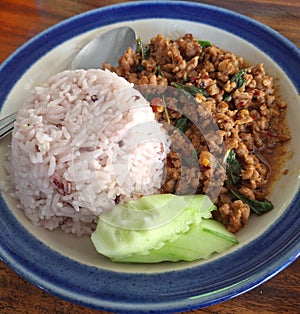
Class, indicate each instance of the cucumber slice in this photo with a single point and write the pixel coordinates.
(153, 211)
(147, 223)
(200, 242)
(218, 230)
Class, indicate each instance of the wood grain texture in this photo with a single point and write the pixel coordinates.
(20, 20)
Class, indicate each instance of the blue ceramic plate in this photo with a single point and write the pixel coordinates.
(69, 267)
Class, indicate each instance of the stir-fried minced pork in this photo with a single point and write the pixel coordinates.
(242, 101)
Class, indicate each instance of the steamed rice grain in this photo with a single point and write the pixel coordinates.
(83, 142)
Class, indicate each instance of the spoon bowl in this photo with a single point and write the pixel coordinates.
(108, 47)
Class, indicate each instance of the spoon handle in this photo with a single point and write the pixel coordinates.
(7, 124)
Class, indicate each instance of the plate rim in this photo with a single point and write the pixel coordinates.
(8, 250)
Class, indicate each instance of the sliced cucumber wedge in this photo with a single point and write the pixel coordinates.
(200, 242)
(160, 228)
(218, 230)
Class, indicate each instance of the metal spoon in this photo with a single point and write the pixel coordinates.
(107, 47)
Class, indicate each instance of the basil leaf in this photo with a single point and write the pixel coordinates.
(159, 72)
(146, 54)
(233, 172)
(204, 43)
(226, 96)
(258, 207)
(182, 124)
(143, 51)
(139, 45)
(141, 68)
(189, 89)
(233, 168)
(238, 78)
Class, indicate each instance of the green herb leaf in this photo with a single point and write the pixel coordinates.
(204, 43)
(233, 168)
(141, 68)
(182, 124)
(139, 45)
(146, 52)
(189, 89)
(143, 51)
(258, 207)
(226, 96)
(159, 72)
(238, 78)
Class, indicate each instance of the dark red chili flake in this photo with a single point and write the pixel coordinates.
(193, 79)
(155, 103)
(256, 93)
(240, 105)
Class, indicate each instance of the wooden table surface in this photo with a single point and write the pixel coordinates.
(20, 20)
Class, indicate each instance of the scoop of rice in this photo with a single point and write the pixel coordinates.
(83, 142)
